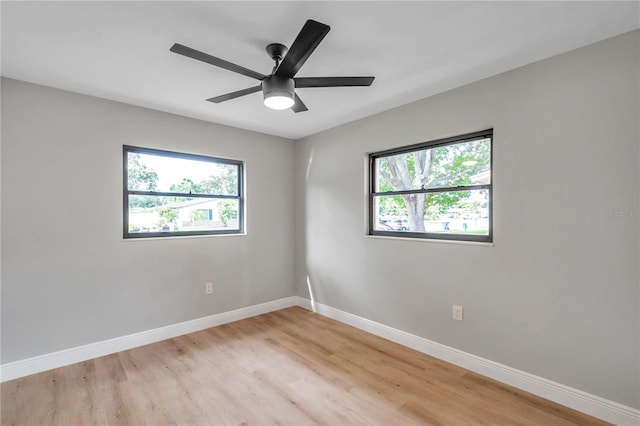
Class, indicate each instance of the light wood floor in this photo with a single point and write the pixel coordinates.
(288, 367)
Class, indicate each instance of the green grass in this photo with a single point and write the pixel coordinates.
(469, 231)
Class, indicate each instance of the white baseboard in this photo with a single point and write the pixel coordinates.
(37, 364)
(593, 405)
(587, 403)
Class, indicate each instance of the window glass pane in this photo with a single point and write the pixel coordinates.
(402, 171)
(147, 172)
(453, 212)
(174, 214)
(461, 164)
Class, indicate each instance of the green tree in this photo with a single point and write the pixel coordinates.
(226, 209)
(187, 186)
(140, 177)
(225, 184)
(409, 171)
(168, 216)
(455, 165)
(445, 166)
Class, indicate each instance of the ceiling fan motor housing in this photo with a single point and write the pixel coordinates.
(275, 85)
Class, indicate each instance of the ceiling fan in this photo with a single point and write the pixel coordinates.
(279, 87)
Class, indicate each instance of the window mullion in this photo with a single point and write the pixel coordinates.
(432, 190)
(181, 194)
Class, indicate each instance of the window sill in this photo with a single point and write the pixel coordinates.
(180, 237)
(431, 240)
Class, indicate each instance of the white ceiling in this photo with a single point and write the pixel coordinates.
(120, 50)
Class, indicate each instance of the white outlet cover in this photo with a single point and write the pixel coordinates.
(457, 313)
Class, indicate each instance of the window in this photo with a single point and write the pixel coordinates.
(170, 194)
(438, 190)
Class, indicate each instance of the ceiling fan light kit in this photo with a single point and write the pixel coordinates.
(278, 88)
(279, 92)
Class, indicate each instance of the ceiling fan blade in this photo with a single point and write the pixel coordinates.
(204, 57)
(236, 94)
(332, 81)
(299, 106)
(308, 39)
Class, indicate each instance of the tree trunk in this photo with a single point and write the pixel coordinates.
(415, 210)
(400, 178)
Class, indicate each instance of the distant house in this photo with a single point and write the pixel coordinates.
(482, 177)
(191, 214)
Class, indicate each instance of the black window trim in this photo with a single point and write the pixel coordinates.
(416, 147)
(181, 155)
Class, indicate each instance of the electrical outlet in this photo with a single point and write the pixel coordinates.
(457, 312)
(208, 288)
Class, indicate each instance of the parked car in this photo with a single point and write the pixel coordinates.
(399, 224)
(383, 227)
(396, 223)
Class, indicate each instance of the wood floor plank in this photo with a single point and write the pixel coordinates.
(290, 367)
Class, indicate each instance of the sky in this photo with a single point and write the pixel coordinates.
(172, 170)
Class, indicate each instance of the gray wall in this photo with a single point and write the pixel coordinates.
(557, 294)
(68, 277)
